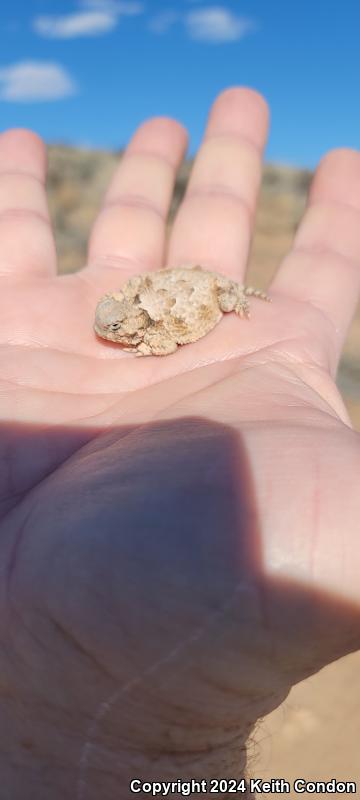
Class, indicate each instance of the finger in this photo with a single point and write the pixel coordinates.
(129, 232)
(27, 244)
(214, 223)
(323, 267)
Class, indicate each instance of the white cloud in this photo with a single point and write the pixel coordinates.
(29, 81)
(216, 24)
(163, 21)
(98, 16)
(89, 23)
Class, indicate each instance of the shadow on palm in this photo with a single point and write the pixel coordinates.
(143, 589)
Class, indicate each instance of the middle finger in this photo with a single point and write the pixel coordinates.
(214, 222)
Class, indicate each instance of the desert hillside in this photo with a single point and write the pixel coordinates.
(315, 734)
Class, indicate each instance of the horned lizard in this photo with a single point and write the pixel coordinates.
(156, 311)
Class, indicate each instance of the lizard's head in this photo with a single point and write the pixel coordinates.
(120, 321)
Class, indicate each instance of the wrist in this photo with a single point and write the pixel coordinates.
(153, 748)
(121, 774)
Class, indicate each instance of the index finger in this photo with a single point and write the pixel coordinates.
(323, 266)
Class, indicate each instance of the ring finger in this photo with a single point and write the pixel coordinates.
(128, 235)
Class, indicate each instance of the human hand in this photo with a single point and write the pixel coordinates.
(179, 534)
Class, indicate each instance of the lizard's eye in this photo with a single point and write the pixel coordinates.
(109, 313)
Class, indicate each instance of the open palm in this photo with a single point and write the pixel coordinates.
(152, 504)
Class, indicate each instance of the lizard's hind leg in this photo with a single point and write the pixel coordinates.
(249, 290)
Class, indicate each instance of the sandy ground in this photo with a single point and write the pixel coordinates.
(315, 734)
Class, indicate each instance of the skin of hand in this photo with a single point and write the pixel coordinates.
(179, 535)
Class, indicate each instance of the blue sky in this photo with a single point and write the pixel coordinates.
(87, 72)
